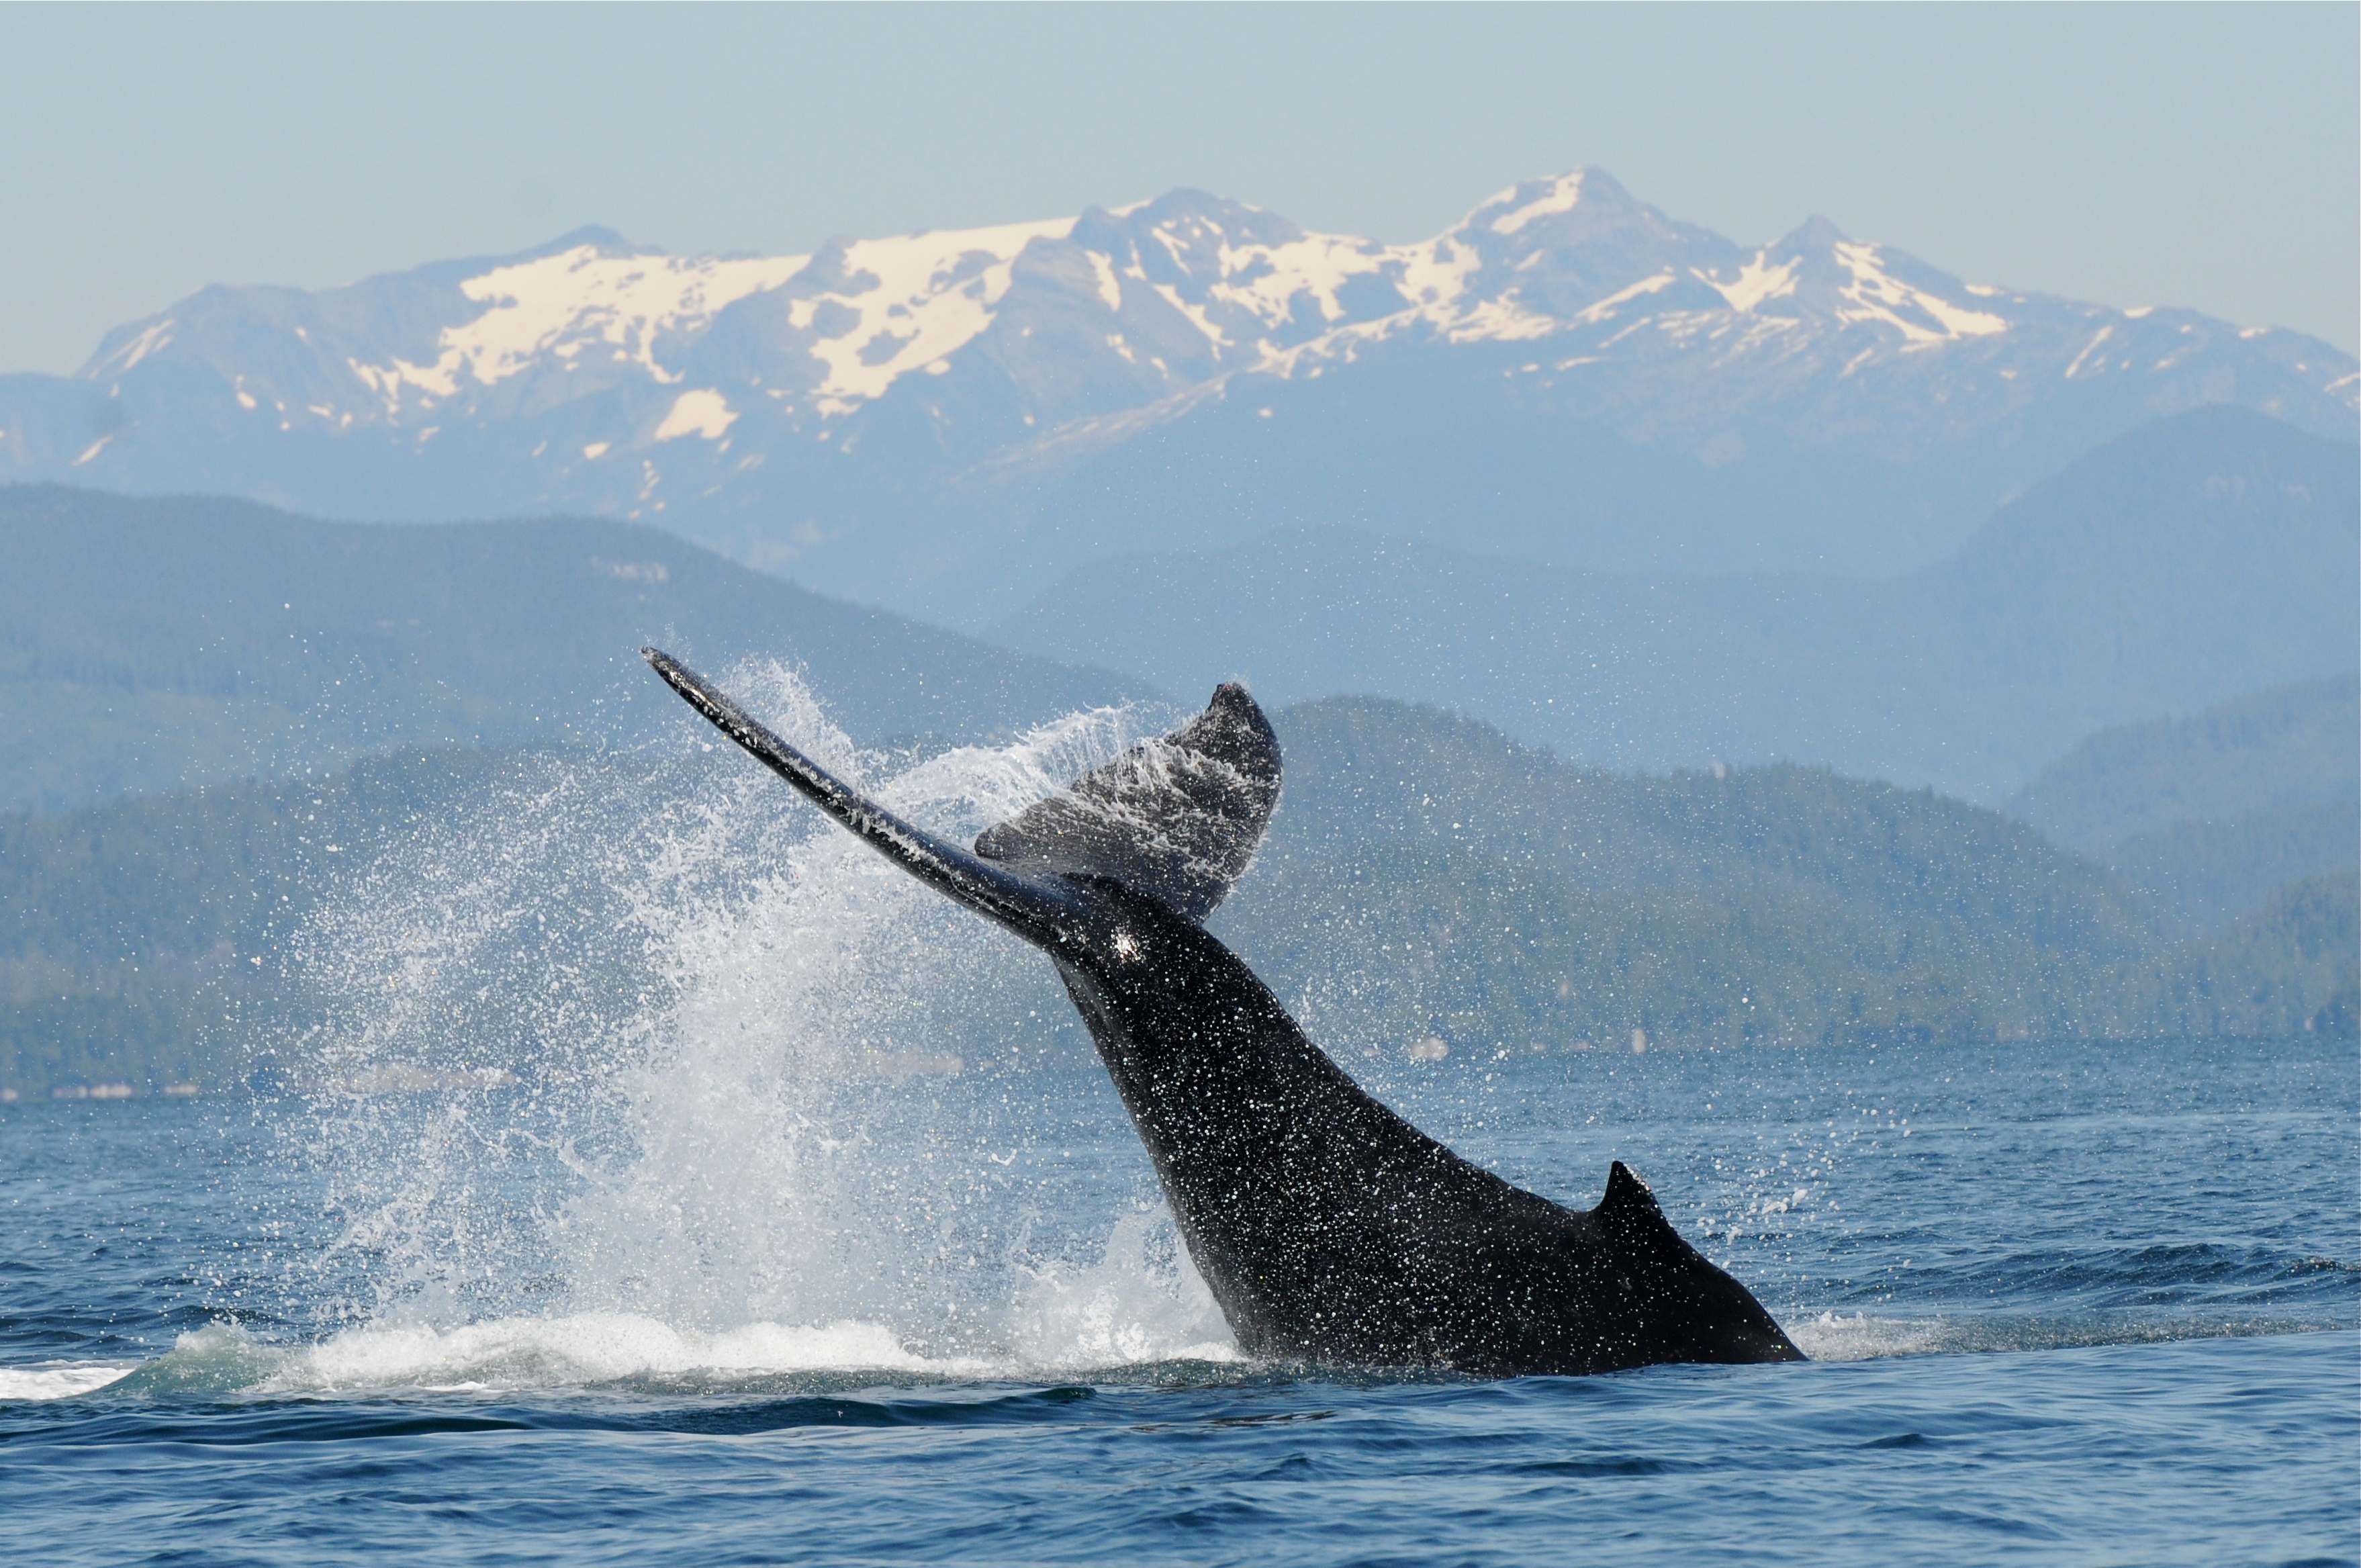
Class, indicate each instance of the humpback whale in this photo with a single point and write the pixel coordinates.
(1328, 1229)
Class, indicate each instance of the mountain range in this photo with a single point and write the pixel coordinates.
(1655, 516)
(148, 643)
(944, 424)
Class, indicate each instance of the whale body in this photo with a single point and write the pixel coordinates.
(1328, 1229)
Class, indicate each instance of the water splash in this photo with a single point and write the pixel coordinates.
(48, 1380)
(680, 1055)
(1833, 1336)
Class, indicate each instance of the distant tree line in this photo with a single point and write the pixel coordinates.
(1426, 881)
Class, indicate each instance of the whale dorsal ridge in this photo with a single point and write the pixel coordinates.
(1177, 818)
(1630, 1210)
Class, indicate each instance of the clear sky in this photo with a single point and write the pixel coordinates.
(2185, 155)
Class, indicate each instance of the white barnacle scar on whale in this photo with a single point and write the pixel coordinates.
(1328, 1229)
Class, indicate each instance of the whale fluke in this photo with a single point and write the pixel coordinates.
(1176, 818)
(1024, 906)
(1327, 1226)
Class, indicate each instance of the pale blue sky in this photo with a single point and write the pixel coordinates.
(2186, 155)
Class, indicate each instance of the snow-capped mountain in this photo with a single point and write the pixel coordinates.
(933, 419)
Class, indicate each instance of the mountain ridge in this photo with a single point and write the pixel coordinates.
(151, 643)
(2180, 565)
(933, 421)
(2281, 747)
(2211, 811)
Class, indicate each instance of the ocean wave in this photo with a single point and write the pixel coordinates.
(594, 1350)
(59, 1379)
(1834, 1336)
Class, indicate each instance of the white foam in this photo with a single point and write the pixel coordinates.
(1093, 1322)
(1832, 1336)
(586, 1349)
(1142, 1302)
(1126, 1311)
(59, 1379)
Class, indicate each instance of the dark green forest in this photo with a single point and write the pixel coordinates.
(1426, 880)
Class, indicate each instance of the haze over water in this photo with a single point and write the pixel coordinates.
(662, 1175)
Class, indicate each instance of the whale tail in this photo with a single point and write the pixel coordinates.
(1176, 818)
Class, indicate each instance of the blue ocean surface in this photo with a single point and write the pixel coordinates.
(2067, 1301)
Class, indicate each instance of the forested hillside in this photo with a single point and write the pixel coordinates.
(1426, 881)
(2215, 811)
(133, 934)
(1428, 878)
(2288, 746)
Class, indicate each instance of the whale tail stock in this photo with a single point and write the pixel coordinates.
(1177, 818)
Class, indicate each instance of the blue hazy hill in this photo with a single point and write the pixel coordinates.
(2193, 560)
(150, 644)
(2212, 811)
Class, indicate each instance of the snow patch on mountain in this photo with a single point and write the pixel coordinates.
(702, 412)
(575, 303)
(1605, 309)
(1761, 279)
(154, 336)
(912, 302)
(1565, 194)
(596, 376)
(1267, 281)
(1110, 286)
(1435, 274)
(1918, 316)
(1195, 314)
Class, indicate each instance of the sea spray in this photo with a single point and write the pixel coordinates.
(636, 1039)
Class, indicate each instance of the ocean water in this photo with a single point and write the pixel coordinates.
(651, 1177)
